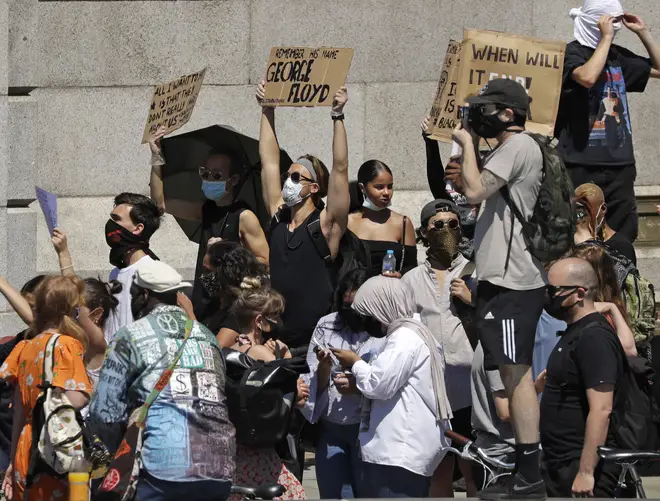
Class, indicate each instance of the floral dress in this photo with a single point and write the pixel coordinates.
(25, 366)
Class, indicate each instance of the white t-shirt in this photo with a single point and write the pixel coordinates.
(123, 315)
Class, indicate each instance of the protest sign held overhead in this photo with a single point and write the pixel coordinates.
(305, 76)
(535, 63)
(444, 112)
(48, 204)
(172, 104)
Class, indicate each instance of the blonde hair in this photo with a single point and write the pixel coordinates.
(57, 300)
(251, 302)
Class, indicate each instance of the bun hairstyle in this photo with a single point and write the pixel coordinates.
(99, 294)
(322, 175)
(57, 299)
(236, 268)
(252, 301)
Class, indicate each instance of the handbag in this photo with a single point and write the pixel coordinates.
(120, 483)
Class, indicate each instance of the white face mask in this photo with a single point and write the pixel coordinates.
(368, 204)
(291, 193)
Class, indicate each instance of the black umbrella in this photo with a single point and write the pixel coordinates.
(184, 154)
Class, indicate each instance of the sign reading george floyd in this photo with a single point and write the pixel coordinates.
(535, 63)
(173, 104)
(444, 112)
(305, 76)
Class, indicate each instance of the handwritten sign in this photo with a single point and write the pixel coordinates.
(305, 76)
(535, 63)
(444, 112)
(173, 104)
(48, 204)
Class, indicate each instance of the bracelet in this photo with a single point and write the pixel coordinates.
(337, 117)
(334, 113)
(157, 160)
(66, 268)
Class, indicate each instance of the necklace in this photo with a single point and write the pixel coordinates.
(288, 238)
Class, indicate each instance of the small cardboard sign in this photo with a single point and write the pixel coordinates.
(173, 104)
(305, 76)
(444, 112)
(535, 63)
(48, 204)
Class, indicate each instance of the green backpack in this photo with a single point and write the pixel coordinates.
(639, 297)
(549, 232)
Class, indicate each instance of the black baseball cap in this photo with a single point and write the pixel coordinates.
(504, 92)
(439, 205)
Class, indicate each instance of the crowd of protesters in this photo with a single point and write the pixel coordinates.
(375, 362)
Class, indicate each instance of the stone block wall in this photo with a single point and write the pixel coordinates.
(76, 78)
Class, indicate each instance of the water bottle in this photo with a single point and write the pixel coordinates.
(389, 262)
(79, 477)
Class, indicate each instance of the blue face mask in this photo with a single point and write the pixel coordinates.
(214, 190)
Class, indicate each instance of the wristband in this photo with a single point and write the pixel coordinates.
(334, 113)
(157, 160)
(337, 117)
(66, 268)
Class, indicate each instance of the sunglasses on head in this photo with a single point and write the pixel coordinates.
(210, 175)
(296, 177)
(452, 224)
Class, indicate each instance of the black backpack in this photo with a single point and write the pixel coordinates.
(466, 312)
(353, 252)
(549, 232)
(261, 396)
(635, 417)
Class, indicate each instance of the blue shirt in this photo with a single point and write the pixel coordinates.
(188, 435)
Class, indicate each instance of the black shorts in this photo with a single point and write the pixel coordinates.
(506, 321)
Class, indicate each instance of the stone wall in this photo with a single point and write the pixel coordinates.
(77, 76)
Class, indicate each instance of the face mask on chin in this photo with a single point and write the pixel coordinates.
(291, 193)
(368, 204)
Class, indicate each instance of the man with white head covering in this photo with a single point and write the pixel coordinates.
(593, 124)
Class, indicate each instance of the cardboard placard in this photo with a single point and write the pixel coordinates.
(173, 104)
(305, 76)
(48, 204)
(444, 112)
(535, 63)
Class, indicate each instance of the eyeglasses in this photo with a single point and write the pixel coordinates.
(452, 223)
(210, 175)
(296, 177)
(554, 290)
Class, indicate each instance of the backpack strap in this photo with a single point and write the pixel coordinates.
(318, 239)
(515, 213)
(49, 361)
(164, 378)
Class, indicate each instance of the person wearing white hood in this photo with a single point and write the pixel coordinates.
(593, 124)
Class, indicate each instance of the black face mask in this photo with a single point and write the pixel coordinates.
(486, 126)
(554, 307)
(374, 328)
(123, 244)
(351, 318)
(211, 283)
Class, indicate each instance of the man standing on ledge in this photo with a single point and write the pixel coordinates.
(593, 124)
(511, 288)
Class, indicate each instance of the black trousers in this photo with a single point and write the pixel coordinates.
(559, 479)
(618, 185)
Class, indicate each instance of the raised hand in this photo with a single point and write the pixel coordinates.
(59, 241)
(606, 26)
(154, 143)
(426, 126)
(339, 100)
(634, 23)
(260, 93)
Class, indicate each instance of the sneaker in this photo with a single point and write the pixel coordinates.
(516, 487)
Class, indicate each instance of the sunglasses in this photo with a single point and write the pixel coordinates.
(296, 177)
(554, 290)
(210, 175)
(452, 223)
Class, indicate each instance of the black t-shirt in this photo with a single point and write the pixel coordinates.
(223, 222)
(299, 273)
(593, 125)
(622, 245)
(587, 355)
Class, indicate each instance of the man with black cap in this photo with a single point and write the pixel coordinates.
(511, 288)
(439, 285)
